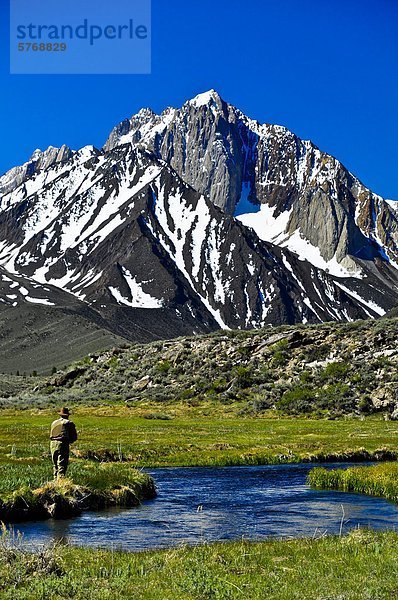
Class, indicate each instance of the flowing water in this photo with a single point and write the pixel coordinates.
(200, 504)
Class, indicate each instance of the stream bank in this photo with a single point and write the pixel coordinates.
(64, 499)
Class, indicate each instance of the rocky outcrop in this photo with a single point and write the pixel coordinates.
(328, 370)
(38, 161)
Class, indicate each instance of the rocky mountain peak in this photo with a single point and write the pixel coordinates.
(145, 113)
(209, 98)
(39, 160)
(199, 218)
(288, 190)
(45, 158)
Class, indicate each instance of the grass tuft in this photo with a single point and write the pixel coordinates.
(91, 486)
(376, 480)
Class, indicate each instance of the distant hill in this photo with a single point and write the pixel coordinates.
(329, 369)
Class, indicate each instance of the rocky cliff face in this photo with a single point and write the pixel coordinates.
(196, 219)
(303, 197)
(38, 161)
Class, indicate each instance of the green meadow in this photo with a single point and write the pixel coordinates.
(115, 441)
(176, 436)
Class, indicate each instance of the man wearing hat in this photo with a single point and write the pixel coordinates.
(63, 432)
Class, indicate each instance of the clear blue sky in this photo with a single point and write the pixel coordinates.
(326, 69)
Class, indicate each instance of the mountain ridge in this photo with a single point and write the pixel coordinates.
(149, 223)
(301, 157)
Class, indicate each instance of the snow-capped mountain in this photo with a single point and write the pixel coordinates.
(195, 219)
(290, 192)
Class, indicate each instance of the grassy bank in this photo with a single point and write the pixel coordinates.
(361, 565)
(27, 491)
(113, 441)
(378, 480)
(206, 436)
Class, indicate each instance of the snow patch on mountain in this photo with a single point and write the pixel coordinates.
(306, 251)
(393, 204)
(199, 233)
(172, 208)
(369, 303)
(39, 301)
(109, 218)
(204, 98)
(139, 298)
(266, 226)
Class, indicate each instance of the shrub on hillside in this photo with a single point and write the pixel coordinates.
(243, 376)
(335, 370)
(316, 352)
(164, 366)
(336, 397)
(262, 403)
(298, 400)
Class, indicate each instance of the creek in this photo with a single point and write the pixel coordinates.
(205, 504)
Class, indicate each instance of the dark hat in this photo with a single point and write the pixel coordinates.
(64, 412)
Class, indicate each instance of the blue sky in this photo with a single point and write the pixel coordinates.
(326, 69)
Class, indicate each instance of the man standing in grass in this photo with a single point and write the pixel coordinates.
(63, 432)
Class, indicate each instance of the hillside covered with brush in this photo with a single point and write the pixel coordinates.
(329, 369)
